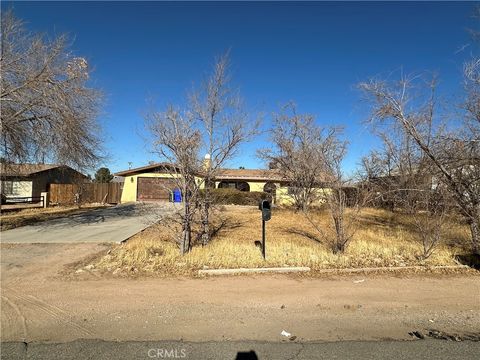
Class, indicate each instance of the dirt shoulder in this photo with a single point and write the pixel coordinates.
(39, 305)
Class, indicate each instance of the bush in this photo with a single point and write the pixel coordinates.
(236, 197)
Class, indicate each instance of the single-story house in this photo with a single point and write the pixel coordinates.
(30, 180)
(153, 183)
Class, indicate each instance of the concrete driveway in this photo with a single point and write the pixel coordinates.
(114, 224)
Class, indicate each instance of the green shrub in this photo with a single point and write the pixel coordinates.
(236, 197)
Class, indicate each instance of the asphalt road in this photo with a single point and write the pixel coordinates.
(102, 350)
(114, 224)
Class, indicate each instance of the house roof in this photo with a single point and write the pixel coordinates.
(222, 174)
(144, 169)
(25, 169)
(249, 174)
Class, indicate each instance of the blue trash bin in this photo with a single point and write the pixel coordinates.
(177, 196)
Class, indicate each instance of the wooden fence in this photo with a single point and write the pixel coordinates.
(87, 193)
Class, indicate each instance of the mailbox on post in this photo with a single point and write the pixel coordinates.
(266, 210)
(264, 206)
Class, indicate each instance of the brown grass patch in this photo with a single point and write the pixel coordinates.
(383, 239)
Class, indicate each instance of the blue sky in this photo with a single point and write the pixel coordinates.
(311, 53)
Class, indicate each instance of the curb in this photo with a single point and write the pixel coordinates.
(253, 270)
(324, 271)
(391, 268)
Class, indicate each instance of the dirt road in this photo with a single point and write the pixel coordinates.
(39, 305)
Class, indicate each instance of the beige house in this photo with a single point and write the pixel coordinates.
(30, 180)
(152, 183)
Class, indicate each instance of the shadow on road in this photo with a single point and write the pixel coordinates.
(247, 355)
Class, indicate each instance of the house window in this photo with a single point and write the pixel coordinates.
(242, 186)
(239, 185)
(17, 188)
(226, 185)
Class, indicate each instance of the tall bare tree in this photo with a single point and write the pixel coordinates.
(224, 124)
(452, 150)
(214, 122)
(431, 208)
(309, 158)
(178, 141)
(397, 170)
(400, 177)
(301, 151)
(49, 112)
(344, 201)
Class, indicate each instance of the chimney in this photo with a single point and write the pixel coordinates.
(207, 162)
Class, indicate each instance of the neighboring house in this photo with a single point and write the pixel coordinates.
(119, 179)
(30, 180)
(152, 183)
(147, 183)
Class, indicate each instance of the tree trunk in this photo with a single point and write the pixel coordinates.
(340, 234)
(304, 205)
(206, 215)
(187, 231)
(338, 204)
(339, 249)
(340, 244)
(205, 223)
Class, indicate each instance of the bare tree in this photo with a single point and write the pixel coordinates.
(224, 124)
(376, 175)
(178, 141)
(301, 151)
(395, 171)
(452, 152)
(344, 202)
(344, 224)
(431, 208)
(213, 122)
(49, 113)
(400, 177)
(309, 158)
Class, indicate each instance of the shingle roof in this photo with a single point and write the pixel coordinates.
(25, 169)
(143, 169)
(222, 174)
(249, 174)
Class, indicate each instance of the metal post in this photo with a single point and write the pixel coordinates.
(263, 239)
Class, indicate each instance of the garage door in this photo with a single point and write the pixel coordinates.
(154, 189)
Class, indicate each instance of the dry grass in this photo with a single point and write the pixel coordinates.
(382, 239)
(13, 219)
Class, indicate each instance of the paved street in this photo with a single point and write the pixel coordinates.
(114, 224)
(103, 350)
